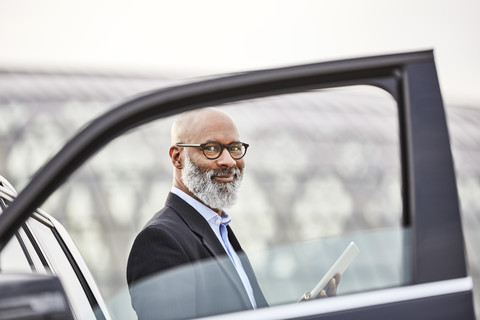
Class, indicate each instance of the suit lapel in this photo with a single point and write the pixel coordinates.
(200, 227)
(196, 223)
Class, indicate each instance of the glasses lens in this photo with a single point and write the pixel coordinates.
(237, 150)
(212, 150)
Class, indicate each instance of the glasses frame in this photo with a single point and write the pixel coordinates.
(227, 146)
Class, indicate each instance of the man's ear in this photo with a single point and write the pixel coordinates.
(176, 156)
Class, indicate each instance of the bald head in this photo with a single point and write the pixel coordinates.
(202, 125)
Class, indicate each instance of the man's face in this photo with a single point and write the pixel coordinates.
(214, 181)
(216, 188)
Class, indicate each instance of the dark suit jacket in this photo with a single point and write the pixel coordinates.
(179, 237)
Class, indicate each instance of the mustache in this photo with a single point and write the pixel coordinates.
(224, 172)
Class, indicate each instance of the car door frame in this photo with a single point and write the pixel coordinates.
(430, 199)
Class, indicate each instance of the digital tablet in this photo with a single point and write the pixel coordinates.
(339, 266)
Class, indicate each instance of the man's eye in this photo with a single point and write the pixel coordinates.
(211, 148)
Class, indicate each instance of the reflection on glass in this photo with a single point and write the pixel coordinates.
(285, 273)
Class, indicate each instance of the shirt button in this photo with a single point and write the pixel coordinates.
(218, 221)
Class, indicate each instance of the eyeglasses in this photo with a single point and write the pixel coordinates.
(213, 150)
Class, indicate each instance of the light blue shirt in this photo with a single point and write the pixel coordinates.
(219, 227)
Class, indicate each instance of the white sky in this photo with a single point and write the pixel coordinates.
(200, 37)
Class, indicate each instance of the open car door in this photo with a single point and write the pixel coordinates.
(434, 283)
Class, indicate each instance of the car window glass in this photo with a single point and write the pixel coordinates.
(20, 253)
(321, 164)
(13, 259)
(37, 264)
(61, 266)
(285, 273)
(323, 168)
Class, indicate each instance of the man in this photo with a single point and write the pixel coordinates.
(208, 159)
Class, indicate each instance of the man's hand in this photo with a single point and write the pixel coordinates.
(329, 291)
(331, 287)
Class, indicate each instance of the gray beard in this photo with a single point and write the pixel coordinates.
(216, 195)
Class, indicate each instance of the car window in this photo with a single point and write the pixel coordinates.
(32, 251)
(13, 258)
(285, 273)
(323, 169)
(62, 267)
(322, 163)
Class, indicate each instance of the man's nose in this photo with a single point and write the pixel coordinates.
(225, 159)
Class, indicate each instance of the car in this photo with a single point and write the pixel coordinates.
(39, 254)
(321, 176)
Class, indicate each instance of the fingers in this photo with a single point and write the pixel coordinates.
(337, 277)
(329, 291)
(306, 296)
(332, 288)
(322, 294)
